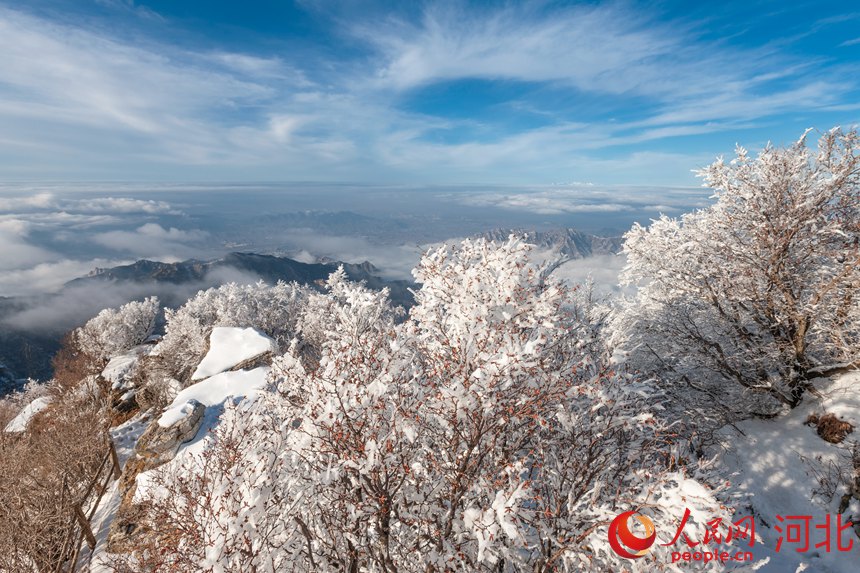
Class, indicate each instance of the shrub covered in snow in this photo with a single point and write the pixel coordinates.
(270, 309)
(114, 331)
(484, 433)
(738, 302)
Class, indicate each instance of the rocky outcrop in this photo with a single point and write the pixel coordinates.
(156, 446)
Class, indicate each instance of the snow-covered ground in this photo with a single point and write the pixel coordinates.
(214, 391)
(778, 464)
(119, 367)
(125, 437)
(19, 422)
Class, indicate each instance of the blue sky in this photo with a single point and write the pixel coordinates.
(425, 93)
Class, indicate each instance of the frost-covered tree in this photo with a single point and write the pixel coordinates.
(343, 310)
(481, 434)
(746, 297)
(114, 331)
(271, 309)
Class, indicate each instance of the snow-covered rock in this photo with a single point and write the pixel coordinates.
(160, 441)
(117, 370)
(215, 390)
(19, 423)
(230, 347)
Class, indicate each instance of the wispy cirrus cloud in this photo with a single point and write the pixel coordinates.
(593, 48)
(558, 92)
(605, 49)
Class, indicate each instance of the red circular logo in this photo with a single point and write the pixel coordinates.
(624, 542)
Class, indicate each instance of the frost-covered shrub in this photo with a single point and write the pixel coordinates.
(114, 331)
(481, 434)
(46, 468)
(739, 302)
(270, 309)
(342, 310)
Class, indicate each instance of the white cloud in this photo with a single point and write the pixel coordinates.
(48, 277)
(588, 198)
(393, 261)
(122, 205)
(134, 8)
(594, 48)
(544, 203)
(602, 269)
(261, 68)
(38, 201)
(283, 126)
(17, 250)
(605, 48)
(105, 82)
(74, 84)
(41, 202)
(70, 96)
(56, 220)
(154, 241)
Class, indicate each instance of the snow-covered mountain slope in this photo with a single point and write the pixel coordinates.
(196, 409)
(783, 467)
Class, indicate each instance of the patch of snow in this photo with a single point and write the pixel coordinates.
(772, 465)
(843, 400)
(120, 366)
(228, 347)
(215, 390)
(213, 393)
(19, 422)
(124, 436)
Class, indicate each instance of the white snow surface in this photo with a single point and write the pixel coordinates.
(120, 366)
(230, 346)
(19, 422)
(214, 391)
(773, 465)
(125, 437)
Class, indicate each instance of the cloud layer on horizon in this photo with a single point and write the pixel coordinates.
(48, 238)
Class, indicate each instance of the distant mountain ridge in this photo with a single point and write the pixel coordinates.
(29, 352)
(269, 268)
(569, 242)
